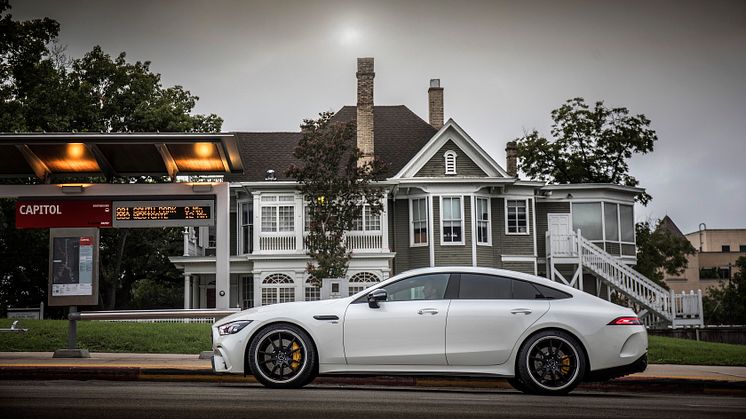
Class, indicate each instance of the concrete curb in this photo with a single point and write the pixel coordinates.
(135, 373)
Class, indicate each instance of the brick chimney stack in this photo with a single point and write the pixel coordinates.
(365, 140)
(435, 101)
(511, 151)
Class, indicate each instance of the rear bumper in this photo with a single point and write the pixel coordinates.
(609, 373)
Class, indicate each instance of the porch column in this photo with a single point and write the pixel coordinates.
(187, 291)
(222, 246)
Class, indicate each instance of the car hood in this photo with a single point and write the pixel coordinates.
(289, 310)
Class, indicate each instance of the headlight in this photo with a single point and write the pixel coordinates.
(233, 327)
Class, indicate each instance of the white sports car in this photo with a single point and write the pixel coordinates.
(543, 336)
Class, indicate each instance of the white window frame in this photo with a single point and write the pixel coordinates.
(426, 221)
(477, 220)
(276, 202)
(370, 279)
(364, 219)
(240, 224)
(449, 158)
(268, 284)
(528, 223)
(603, 219)
(463, 216)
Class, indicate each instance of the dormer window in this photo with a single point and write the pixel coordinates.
(450, 160)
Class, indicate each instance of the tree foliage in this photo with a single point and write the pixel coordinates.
(726, 303)
(588, 145)
(660, 251)
(335, 189)
(42, 89)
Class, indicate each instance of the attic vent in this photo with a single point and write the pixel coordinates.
(450, 158)
(270, 175)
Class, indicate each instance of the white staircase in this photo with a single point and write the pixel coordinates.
(655, 303)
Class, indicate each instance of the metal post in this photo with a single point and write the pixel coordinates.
(222, 246)
(72, 331)
(72, 350)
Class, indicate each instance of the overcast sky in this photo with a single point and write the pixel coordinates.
(264, 66)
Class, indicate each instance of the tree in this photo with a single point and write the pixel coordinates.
(726, 303)
(335, 189)
(660, 251)
(44, 90)
(588, 146)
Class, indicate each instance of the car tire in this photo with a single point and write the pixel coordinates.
(551, 362)
(282, 356)
(518, 385)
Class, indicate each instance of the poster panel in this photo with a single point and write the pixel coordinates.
(73, 266)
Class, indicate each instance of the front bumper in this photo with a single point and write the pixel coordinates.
(610, 373)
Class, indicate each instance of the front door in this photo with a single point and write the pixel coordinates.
(407, 329)
(560, 234)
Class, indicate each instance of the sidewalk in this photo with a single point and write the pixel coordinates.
(177, 367)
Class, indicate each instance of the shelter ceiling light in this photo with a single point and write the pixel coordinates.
(75, 150)
(203, 149)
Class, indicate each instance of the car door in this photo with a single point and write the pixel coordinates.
(485, 320)
(406, 329)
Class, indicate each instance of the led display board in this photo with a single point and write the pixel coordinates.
(165, 213)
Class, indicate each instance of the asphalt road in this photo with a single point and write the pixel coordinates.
(111, 400)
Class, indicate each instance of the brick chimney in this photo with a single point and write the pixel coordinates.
(435, 101)
(365, 77)
(511, 151)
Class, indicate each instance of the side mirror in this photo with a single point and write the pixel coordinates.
(375, 296)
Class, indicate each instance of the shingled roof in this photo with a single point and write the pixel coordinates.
(398, 134)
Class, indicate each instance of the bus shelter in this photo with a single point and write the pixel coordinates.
(85, 181)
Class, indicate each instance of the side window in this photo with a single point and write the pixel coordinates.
(550, 293)
(484, 287)
(523, 290)
(421, 287)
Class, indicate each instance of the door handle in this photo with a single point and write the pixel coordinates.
(520, 311)
(432, 311)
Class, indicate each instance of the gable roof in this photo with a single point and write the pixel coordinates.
(667, 224)
(452, 131)
(398, 132)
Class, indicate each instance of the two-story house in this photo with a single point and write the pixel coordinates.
(448, 203)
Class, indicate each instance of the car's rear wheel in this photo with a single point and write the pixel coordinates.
(282, 356)
(551, 362)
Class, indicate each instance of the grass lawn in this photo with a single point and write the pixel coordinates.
(96, 336)
(181, 338)
(665, 350)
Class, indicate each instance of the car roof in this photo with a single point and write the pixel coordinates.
(488, 271)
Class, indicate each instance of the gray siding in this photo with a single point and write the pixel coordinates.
(517, 244)
(406, 257)
(542, 209)
(524, 267)
(486, 257)
(452, 255)
(464, 165)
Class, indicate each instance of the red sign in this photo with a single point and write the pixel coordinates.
(46, 213)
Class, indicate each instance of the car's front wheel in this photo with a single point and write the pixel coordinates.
(551, 362)
(282, 356)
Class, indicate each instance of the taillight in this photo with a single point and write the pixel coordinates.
(625, 321)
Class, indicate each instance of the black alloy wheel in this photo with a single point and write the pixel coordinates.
(551, 362)
(282, 356)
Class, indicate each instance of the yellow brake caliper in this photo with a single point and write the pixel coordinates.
(296, 356)
(565, 365)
